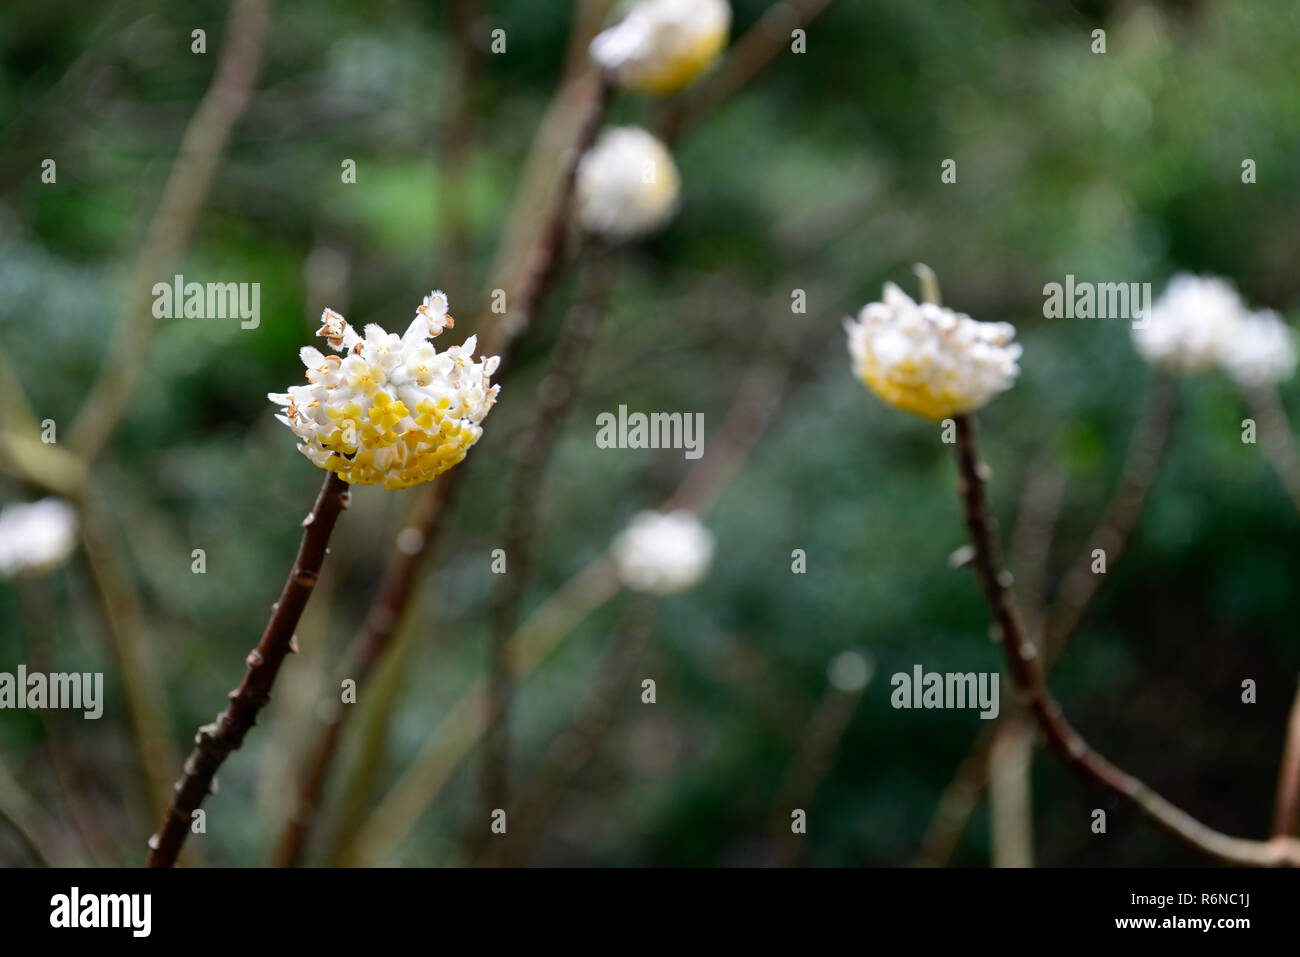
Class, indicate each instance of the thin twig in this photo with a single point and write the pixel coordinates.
(142, 685)
(1022, 660)
(215, 741)
(1275, 432)
(45, 839)
(1113, 531)
(546, 628)
(172, 226)
(366, 649)
(819, 742)
(577, 745)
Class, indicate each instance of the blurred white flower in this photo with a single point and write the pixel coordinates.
(627, 184)
(849, 671)
(36, 537)
(663, 553)
(662, 45)
(395, 411)
(928, 360)
(1191, 325)
(1262, 350)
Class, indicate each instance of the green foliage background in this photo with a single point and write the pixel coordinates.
(822, 175)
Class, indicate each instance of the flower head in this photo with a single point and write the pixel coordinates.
(392, 410)
(663, 553)
(627, 184)
(36, 537)
(928, 360)
(1191, 325)
(1261, 351)
(662, 45)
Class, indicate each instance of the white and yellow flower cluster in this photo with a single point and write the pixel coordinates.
(928, 360)
(1201, 321)
(662, 45)
(663, 553)
(391, 411)
(627, 185)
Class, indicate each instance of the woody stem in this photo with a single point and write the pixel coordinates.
(1022, 660)
(215, 741)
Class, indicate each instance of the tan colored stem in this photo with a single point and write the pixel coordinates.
(172, 227)
(1011, 809)
(142, 684)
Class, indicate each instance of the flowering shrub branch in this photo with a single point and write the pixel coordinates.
(215, 741)
(1021, 657)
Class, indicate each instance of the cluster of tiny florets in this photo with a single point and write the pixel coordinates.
(390, 410)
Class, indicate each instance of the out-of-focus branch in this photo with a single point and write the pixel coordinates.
(1279, 443)
(142, 685)
(519, 527)
(44, 838)
(1280, 446)
(547, 627)
(1011, 809)
(1286, 814)
(172, 226)
(575, 747)
(1113, 531)
(818, 744)
(215, 741)
(1022, 660)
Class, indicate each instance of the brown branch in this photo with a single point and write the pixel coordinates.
(215, 741)
(363, 653)
(818, 743)
(1286, 816)
(172, 226)
(522, 515)
(1141, 467)
(1112, 534)
(1021, 658)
